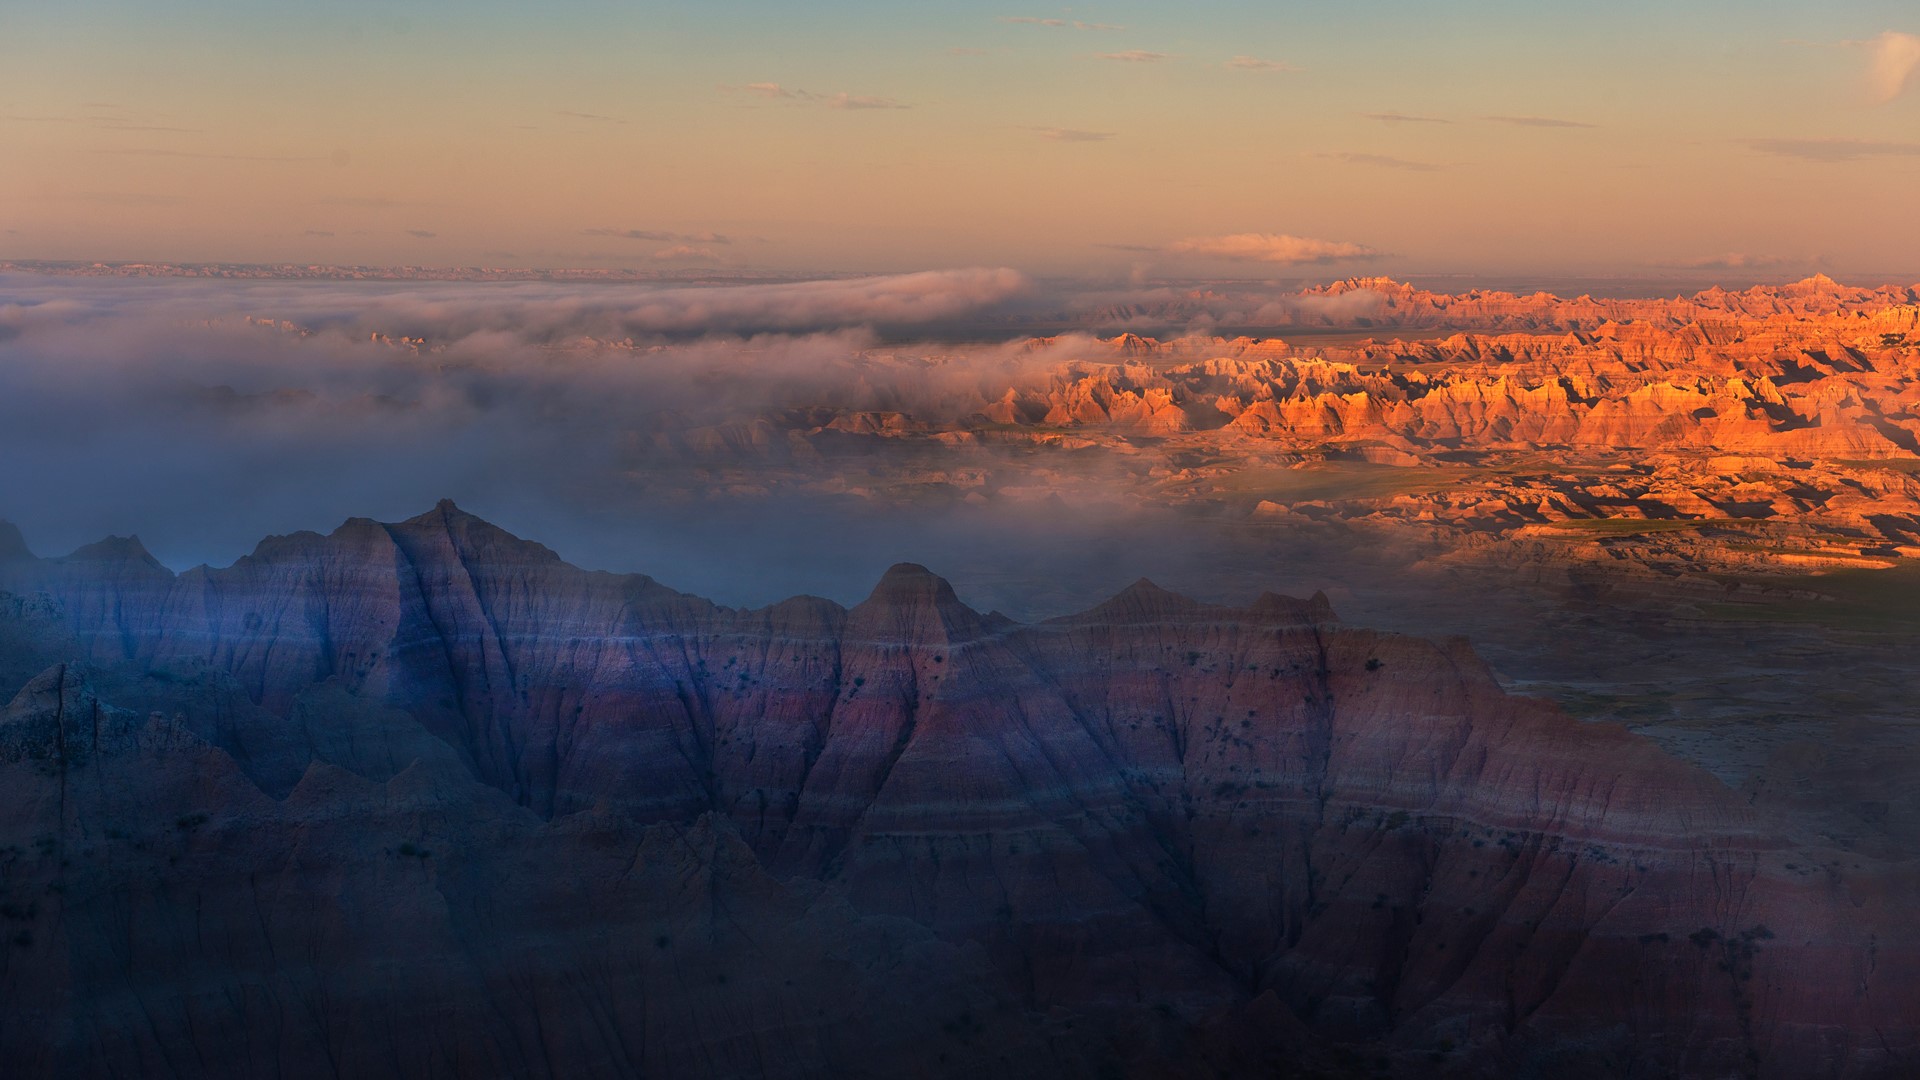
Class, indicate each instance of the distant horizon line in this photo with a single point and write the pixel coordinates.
(481, 272)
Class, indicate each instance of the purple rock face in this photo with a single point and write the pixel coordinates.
(420, 798)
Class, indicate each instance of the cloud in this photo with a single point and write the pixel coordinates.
(422, 234)
(1833, 149)
(968, 50)
(1734, 260)
(594, 117)
(684, 253)
(147, 151)
(1271, 247)
(688, 458)
(125, 198)
(1895, 57)
(1382, 161)
(1073, 135)
(1539, 121)
(541, 313)
(1403, 118)
(1134, 56)
(842, 100)
(1254, 63)
(105, 123)
(861, 101)
(1073, 24)
(662, 237)
(317, 232)
(240, 429)
(370, 202)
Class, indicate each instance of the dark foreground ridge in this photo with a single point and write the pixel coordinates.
(422, 799)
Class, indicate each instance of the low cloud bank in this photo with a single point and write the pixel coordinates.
(631, 428)
(1272, 248)
(205, 415)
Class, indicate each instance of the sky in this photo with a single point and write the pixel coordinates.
(1749, 139)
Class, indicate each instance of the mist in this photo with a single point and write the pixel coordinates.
(204, 416)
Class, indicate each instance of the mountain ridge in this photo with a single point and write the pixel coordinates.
(1158, 836)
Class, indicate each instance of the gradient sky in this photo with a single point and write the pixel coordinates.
(1750, 137)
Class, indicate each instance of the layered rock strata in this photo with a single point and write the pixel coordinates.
(421, 797)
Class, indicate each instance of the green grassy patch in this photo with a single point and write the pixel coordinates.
(1589, 704)
(1910, 466)
(1636, 526)
(1335, 480)
(1867, 600)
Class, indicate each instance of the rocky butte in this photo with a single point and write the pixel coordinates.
(422, 799)
(1774, 428)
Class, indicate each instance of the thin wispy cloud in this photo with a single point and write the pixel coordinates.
(1539, 121)
(318, 232)
(125, 198)
(841, 100)
(861, 101)
(1381, 161)
(146, 151)
(1403, 118)
(1734, 260)
(1834, 149)
(1894, 60)
(1254, 63)
(103, 123)
(592, 117)
(1073, 135)
(422, 234)
(661, 236)
(1134, 56)
(1271, 248)
(1059, 24)
(370, 202)
(684, 253)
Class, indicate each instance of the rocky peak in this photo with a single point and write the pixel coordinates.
(911, 606)
(1315, 609)
(1143, 602)
(1383, 285)
(57, 720)
(123, 550)
(471, 535)
(13, 546)
(444, 512)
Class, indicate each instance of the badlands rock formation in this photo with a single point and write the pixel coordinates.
(1380, 303)
(1767, 430)
(421, 798)
(1777, 428)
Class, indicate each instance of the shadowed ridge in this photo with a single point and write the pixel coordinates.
(913, 584)
(475, 535)
(913, 606)
(801, 617)
(125, 550)
(13, 546)
(998, 622)
(1144, 602)
(448, 533)
(1140, 602)
(1315, 609)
